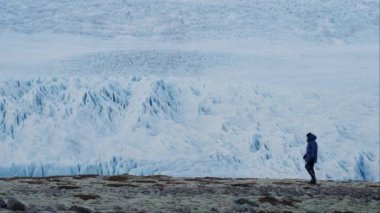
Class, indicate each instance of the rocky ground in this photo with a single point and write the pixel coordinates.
(127, 193)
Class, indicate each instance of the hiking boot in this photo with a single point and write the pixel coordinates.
(313, 181)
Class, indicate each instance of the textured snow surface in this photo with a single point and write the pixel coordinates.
(184, 20)
(189, 88)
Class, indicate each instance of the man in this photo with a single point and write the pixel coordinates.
(311, 156)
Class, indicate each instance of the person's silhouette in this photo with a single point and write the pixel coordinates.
(311, 156)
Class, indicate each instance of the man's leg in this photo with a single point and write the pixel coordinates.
(307, 167)
(310, 169)
(313, 179)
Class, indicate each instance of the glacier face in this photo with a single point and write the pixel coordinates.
(189, 88)
(181, 126)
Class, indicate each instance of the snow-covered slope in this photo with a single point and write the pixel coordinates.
(189, 88)
(316, 20)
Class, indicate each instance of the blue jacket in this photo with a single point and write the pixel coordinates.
(311, 151)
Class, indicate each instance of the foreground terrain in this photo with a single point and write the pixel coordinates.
(127, 193)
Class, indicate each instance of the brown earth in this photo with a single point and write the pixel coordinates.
(128, 193)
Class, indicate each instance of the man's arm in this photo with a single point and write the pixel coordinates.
(306, 157)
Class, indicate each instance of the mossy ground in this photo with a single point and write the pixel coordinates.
(126, 193)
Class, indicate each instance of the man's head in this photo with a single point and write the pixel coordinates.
(311, 137)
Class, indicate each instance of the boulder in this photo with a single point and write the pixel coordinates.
(2, 204)
(15, 205)
(79, 209)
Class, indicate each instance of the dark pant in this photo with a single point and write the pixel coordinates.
(310, 169)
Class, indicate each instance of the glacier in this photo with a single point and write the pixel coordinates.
(189, 88)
